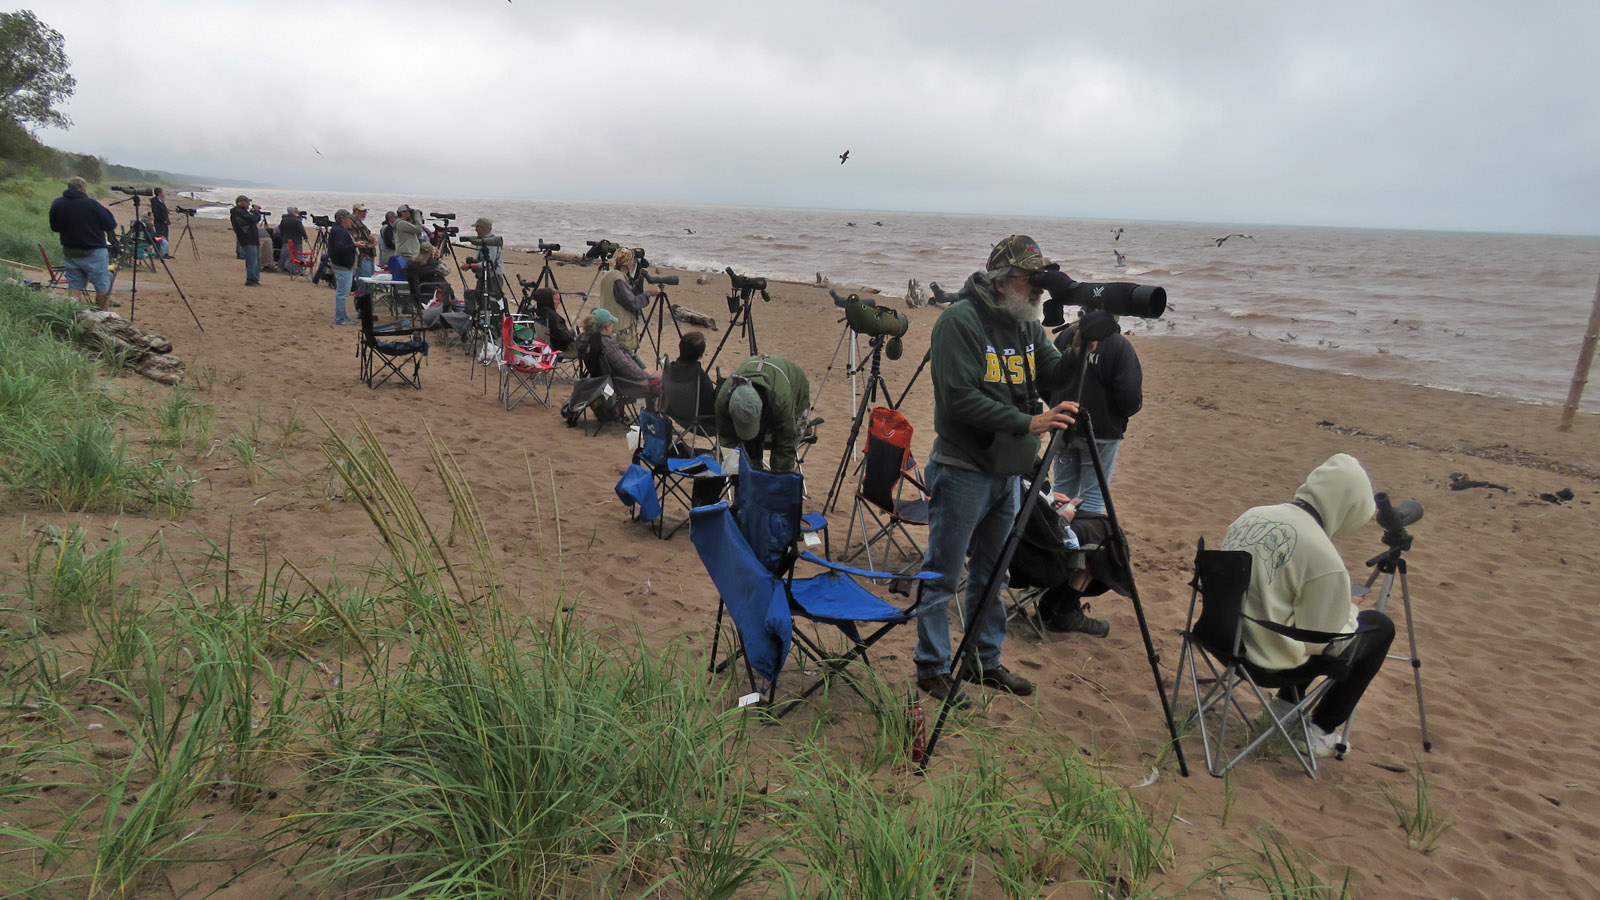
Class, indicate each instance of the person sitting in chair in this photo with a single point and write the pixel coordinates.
(762, 406)
(691, 397)
(602, 352)
(1297, 579)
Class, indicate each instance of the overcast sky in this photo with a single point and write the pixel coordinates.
(1404, 113)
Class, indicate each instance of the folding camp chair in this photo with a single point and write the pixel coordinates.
(385, 350)
(298, 263)
(749, 551)
(676, 474)
(1221, 578)
(58, 274)
(885, 470)
(597, 391)
(690, 400)
(524, 363)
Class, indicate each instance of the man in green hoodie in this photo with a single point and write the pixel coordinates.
(1297, 578)
(991, 363)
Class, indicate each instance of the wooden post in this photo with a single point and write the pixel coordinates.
(1580, 375)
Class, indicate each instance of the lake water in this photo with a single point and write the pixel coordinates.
(1502, 315)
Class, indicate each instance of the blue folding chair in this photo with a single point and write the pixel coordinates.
(690, 481)
(750, 552)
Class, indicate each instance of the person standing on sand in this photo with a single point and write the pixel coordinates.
(293, 232)
(366, 246)
(248, 234)
(386, 247)
(342, 260)
(1113, 392)
(1298, 579)
(617, 296)
(84, 224)
(991, 360)
(161, 218)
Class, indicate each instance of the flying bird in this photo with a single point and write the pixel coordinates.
(1118, 233)
(688, 231)
(1220, 240)
(879, 224)
(1121, 260)
(843, 157)
(316, 151)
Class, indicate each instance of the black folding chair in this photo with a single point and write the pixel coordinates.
(386, 351)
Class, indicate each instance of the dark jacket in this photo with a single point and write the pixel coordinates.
(983, 364)
(1113, 392)
(158, 211)
(341, 248)
(81, 220)
(292, 229)
(244, 225)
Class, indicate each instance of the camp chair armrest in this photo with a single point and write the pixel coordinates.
(866, 573)
(1305, 635)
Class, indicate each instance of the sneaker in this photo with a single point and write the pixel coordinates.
(1322, 743)
(939, 687)
(1000, 678)
(1077, 620)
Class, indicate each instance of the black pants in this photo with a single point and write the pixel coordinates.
(426, 273)
(1365, 652)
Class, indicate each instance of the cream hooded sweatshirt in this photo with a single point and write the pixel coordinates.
(1297, 577)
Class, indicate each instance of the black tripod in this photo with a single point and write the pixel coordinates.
(547, 279)
(1389, 564)
(1118, 544)
(187, 232)
(741, 297)
(659, 311)
(874, 364)
(141, 235)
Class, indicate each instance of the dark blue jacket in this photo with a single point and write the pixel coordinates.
(341, 248)
(82, 221)
(1113, 391)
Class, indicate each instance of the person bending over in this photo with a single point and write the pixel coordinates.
(84, 224)
(1298, 579)
(691, 397)
(991, 361)
(762, 407)
(617, 296)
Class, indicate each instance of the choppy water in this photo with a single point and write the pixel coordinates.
(1502, 315)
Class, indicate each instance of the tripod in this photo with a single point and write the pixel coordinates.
(868, 394)
(187, 232)
(658, 310)
(547, 279)
(1388, 564)
(741, 297)
(141, 235)
(1118, 544)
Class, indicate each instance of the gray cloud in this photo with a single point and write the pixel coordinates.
(1430, 114)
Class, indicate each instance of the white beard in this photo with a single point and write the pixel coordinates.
(1019, 306)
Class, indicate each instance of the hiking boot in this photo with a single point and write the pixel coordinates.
(1000, 678)
(941, 686)
(1077, 620)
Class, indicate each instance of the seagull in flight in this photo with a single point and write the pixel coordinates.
(316, 151)
(1118, 233)
(1121, 260)
(843, 157)
(688, 231)
(1236, 234)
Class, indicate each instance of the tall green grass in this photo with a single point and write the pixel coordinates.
(61, 428)
(25, 218)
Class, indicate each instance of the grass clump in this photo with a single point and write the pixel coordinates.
(1423, 824)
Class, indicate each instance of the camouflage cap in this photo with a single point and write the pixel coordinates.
(1018, 250)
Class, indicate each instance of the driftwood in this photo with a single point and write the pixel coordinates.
(914, 298)
(147, 353)
(689, 317)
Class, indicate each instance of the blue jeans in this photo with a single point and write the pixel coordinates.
(363, 267)
(93, 269)
(1074, 474)
(969, 516)
(341, 289)
(252, 262)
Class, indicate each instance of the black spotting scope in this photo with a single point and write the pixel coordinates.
(658, 279)
(136, 191)
(1119, 298)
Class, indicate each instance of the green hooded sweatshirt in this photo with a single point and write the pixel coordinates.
(983, 363)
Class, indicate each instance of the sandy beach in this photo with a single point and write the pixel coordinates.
(1501, 579)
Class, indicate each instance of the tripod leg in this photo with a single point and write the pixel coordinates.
(1416, 661)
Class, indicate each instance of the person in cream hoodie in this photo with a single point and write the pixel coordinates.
(1298, 579)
